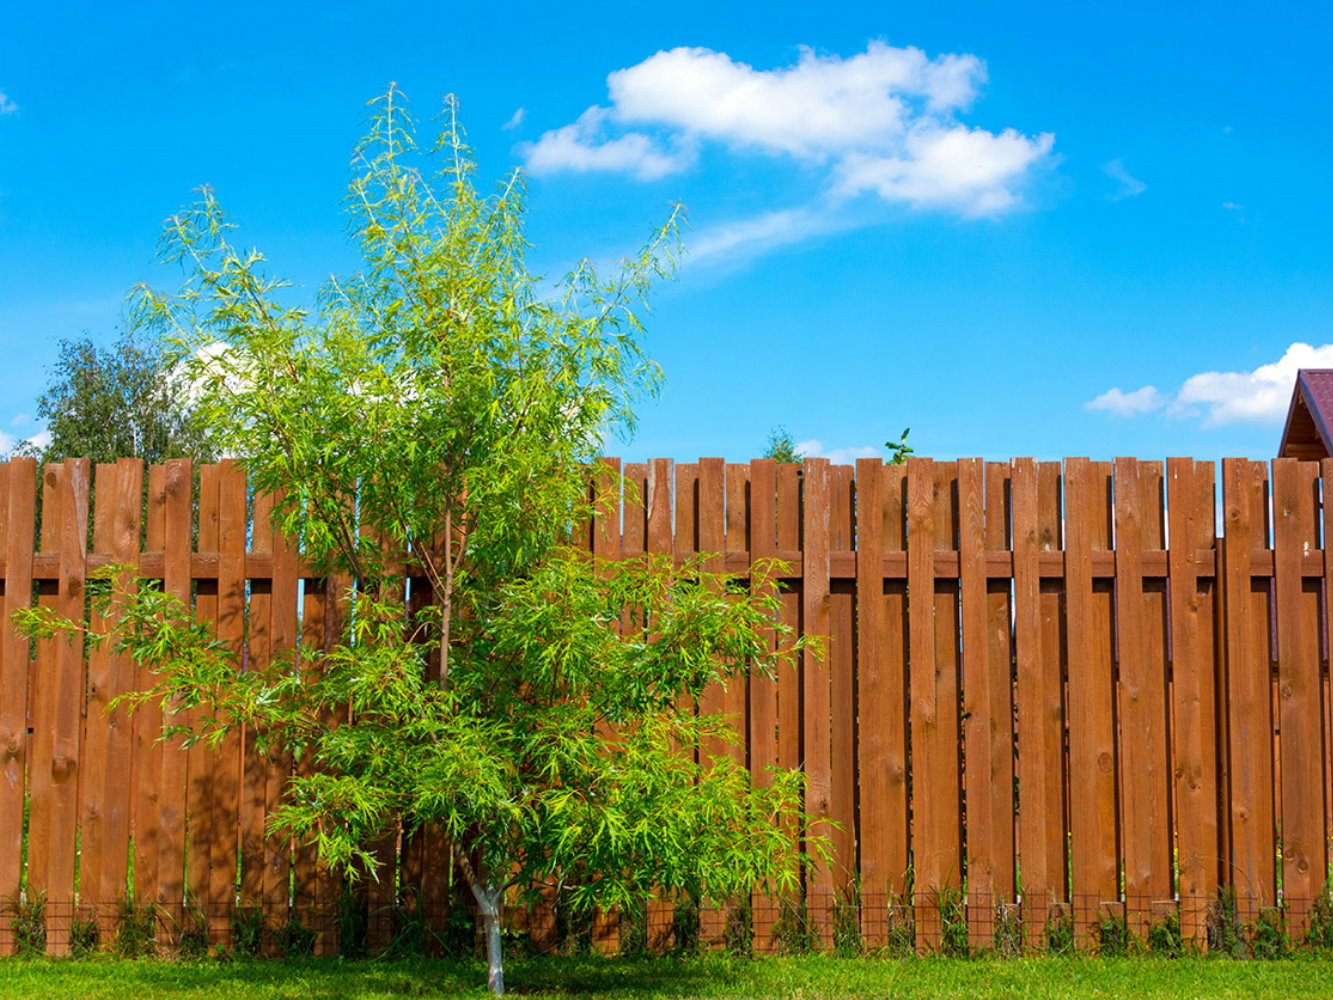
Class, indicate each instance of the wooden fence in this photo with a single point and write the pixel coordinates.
(1053, 692)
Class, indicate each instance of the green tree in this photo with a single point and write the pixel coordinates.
(122, 401)
(781, 447)
(438, 407)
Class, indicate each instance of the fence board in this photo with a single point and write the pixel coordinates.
(1304, 864)
(763, 690)
(1095, 859)
(816, 709)
(842, 691)
(18, 489)
(1190, 511)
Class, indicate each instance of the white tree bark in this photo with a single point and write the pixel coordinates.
(489, 899)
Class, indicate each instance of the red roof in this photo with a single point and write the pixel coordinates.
(1310, 418)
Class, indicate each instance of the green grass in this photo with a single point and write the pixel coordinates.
(807, 978)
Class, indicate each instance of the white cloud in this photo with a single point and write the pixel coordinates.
(814, 448)
(1262, 395)
(9, 442)
(515, 120)
(575, 147)
(7, 106)
(19, 420)
(1130, 186)
(761, 233)
(1127, 404)
(1259, 396)
(883, 121)
(1231, 206)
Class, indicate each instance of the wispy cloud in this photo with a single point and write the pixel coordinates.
(1127, 404)
(884, 122)
(1130, 186)
(7, 105)
(515, 120)
(814, 448)
(1218, 398)
(740, 239)
(1231, 206)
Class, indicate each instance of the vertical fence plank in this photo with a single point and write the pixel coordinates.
(1192, 696)
(1000, 657)
(882, 729)
(925, 798)
(1040, 720)
(983, 815)
(1091, 730)
(763, 716)
(735, 694)
(223, 849)
(1250, 758)
(842, 691)
(171, 505)
(253, 796)
(660, 541)
(1143, 718)
(18, 499)
(66, 703)
(790, 680)
(606, 545)
(816, 709)
(1304, 861)
(205, 824)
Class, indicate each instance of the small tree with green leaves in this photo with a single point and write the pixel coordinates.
(781, 447)
(438, 406)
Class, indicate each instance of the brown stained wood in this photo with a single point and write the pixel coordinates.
(1095, 859)
(711, 529)
(1000, 663)
(763, 690)
(1039, 757)
(120, 785)
(735, 696)
(18, 487)
(41, 677)
(253, 798)
(876, 822)
(943, 776)
(842, 686)
(1140, 639)
(279, 851)
(634, 523)
(66, 706)
(203, 822)
(816, 707)
(925, 722)
(895, 650)
(227, 760)
(171, 508)
(1193, 747)
(661, 541)
(1251, 867)
(790, 680)
(977, 679)
(1303, 822)
(606, 537)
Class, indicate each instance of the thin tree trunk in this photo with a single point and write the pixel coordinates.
(489, 898)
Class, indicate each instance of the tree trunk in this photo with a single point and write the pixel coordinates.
(489, 898)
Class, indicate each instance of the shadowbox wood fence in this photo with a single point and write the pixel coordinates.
(1053, 694)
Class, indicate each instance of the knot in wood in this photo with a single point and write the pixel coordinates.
(1104, 762)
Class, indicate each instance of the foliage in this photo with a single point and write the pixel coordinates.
(1059, 932)
(1112, 932)
(781, 447)
(119, 402)
(1007, 937)
(83, 933)
(437, 407)
(247, 930)
(136, 925)
(28, 923)
(899, 450)
(1224, 931)
(1268, 937)
(1319, 932)
(1164, 937)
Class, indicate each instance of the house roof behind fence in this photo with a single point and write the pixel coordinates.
(1310, 417)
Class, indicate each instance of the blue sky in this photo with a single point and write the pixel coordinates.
(976, 219)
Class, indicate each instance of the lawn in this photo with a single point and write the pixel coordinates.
(807, 978)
